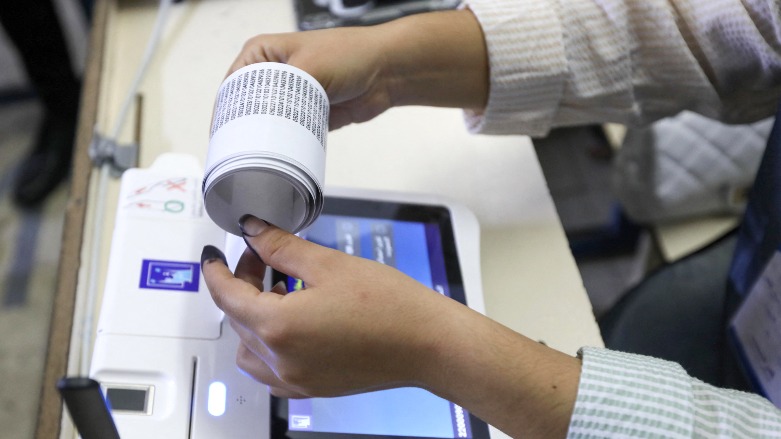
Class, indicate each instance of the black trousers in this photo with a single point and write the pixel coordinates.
(680, 313)
(35, 29)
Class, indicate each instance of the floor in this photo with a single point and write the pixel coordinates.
(29, 255)
(29, 240)
(575, 162)
(577, 166)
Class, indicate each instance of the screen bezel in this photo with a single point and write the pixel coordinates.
(385, 210)
(310, 16)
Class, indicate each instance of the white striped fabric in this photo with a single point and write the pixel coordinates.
(628, 396)
(527, 62)
(570, 62)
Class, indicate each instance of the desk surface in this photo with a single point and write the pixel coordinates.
(530, 279)
(681, 238)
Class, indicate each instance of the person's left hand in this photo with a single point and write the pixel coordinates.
(357, 326)
(360, 326)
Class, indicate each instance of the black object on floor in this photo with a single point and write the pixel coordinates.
(48, 164)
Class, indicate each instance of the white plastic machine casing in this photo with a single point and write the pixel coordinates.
(172, 342)
(160, 332)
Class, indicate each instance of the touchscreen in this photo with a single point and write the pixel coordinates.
(417, 240)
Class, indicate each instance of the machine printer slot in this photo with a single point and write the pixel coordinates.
(192, 398)
(130, 399)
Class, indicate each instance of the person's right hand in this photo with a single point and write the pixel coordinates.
(348, 62)
(436, 59)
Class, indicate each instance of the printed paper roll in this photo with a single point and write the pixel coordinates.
(267, 149)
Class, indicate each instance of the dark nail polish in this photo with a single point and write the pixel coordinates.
(249, 246)
(211, 253)
(241, 225)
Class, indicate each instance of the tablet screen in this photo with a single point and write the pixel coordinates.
(417, 240)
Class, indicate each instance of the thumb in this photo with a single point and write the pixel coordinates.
(237, 298)
(286, 252)
(263, 48)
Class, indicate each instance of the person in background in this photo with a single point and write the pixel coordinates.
(34, 28)
(516, 67)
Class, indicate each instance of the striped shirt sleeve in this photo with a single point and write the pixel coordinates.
(627, 395)
(569, 62)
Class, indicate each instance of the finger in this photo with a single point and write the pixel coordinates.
(338, 118)
(255, 367)
(281, 392)
(238, 299)
(288, 253)
(250, 340)
(244, 59)
(249, 54)
(262, 48)
(251, 268)
(280, 288)
(260, 371)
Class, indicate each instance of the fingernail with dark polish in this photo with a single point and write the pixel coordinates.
(251, 226)
(249, 246)
(211, 253)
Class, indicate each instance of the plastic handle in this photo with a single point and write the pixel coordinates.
(88, 408)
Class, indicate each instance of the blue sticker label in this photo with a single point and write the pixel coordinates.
(170, 275)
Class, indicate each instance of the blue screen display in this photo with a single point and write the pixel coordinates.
(414, 248)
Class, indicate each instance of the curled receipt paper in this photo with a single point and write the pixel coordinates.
(267, 150)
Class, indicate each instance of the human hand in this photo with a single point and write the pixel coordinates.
(357, 326)
(436, 59)
(348, 63)
(360, 326)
